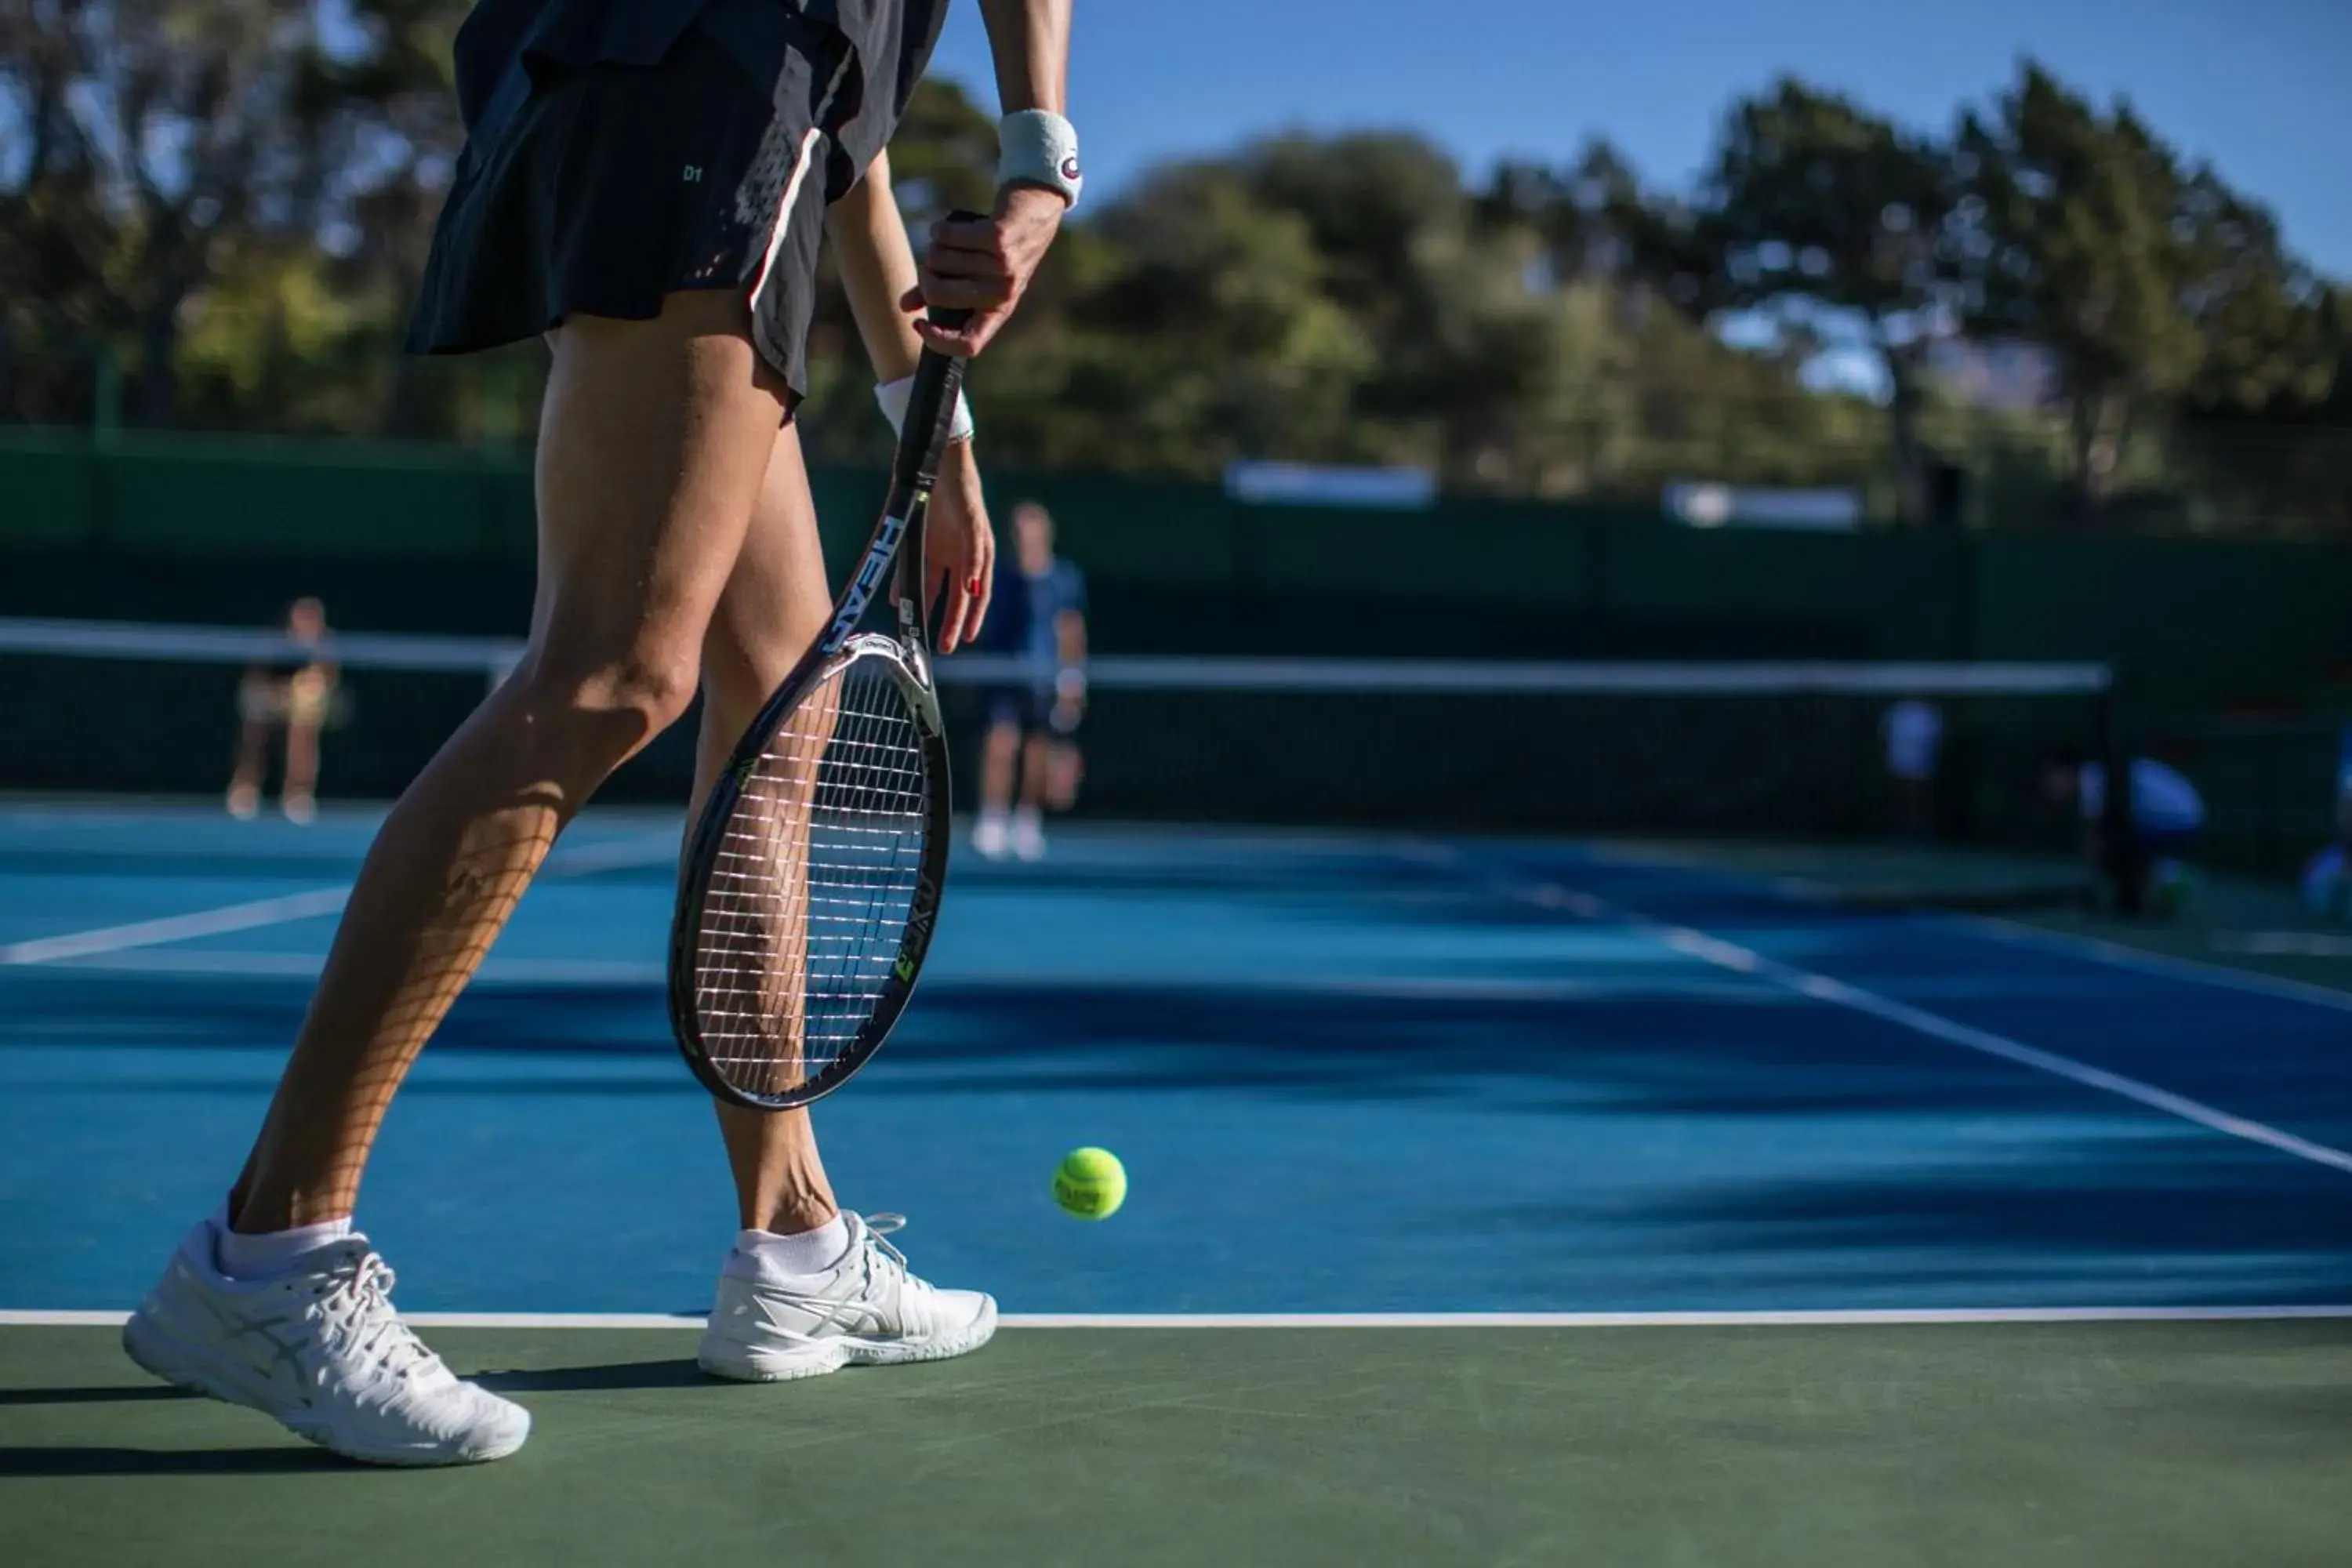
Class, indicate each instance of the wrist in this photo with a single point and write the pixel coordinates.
(894, 395)
(1038, 148)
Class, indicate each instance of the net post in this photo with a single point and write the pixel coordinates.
(2119, 849)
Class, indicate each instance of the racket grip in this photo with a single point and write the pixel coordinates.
(954, 316)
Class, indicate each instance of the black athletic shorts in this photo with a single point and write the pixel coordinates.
(601, 189)
(1034, 709)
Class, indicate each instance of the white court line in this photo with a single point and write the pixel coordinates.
(1741, 960)
(2122, 955)
(2171, 965)
(2294, 943)
(585, 861)
(179, 928)
(1863, 1316)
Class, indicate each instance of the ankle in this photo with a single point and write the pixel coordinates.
(265, 1210)
(266, 1255)
(815, 1250)
(795, 1213)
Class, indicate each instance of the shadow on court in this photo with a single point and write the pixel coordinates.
(134, 1462)
(97, 1394)
(680, 1373)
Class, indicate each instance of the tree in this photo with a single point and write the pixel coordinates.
(1832, 224)
(1188, 326)
(2148, 282)
(1586, 215)
(165, 167)
(1468, 329)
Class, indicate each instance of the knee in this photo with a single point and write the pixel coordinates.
(735, 682)
(628, 695)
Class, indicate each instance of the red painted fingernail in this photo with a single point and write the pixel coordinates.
(973, 586)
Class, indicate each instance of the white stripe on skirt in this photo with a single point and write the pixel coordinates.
(783, 219)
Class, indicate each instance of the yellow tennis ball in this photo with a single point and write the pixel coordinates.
(1090, 1184)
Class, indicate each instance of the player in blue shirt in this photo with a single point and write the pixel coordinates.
(1040, 617)
(2166, 815)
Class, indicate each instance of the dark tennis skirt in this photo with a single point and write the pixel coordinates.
(601, 190)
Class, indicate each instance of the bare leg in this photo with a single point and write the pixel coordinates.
(1036, 763)
(998, 753)
(654, 443)
(306, 696)
(300, 793)
(1065, 768)
(245, 778)
(772, 608)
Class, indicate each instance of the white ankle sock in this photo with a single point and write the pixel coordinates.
(800, 1255)
(274, 1252)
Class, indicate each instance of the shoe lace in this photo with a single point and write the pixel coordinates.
(877, 1227)
(881, 1257)
(356, 1301)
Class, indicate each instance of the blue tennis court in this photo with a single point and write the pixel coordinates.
(1349, 1074)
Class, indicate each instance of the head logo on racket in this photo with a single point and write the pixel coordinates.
(869, 577)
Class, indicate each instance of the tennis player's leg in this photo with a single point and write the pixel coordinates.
(246, 775)
(651, 456)
(654, 446)
(807, 1288)
(1028, 835)
(306, 715)
(773, 607)
(1000, 756)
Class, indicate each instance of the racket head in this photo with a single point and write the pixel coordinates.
(807, 902)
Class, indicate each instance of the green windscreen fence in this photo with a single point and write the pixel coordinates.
(183, 527)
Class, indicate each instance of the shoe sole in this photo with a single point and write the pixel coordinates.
(196, 1369)
(832, 1354)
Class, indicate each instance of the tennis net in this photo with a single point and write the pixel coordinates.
(1677, 751)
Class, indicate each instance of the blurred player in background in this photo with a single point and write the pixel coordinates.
(295, 696)
(1913, 730)
(1040, 607)
(645, 184)
(2166, 815)
(2327, 879)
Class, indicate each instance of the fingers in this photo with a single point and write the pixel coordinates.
(955, 591)
(959, 342)
(970, 265)
(984, 265)
(964, 342)
(962, 579)
(983, 589)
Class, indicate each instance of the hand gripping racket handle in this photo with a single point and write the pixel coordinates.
(930, 408)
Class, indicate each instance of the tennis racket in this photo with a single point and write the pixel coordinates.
(807, 898)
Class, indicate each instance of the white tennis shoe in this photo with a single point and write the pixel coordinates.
(1028, 835)
(867, 1310)
(323, 1352)
(990, 837)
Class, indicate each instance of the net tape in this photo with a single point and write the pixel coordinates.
(495, 657)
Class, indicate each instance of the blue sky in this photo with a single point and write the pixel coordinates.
(2261, 88)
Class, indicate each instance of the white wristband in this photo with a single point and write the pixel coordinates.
(1039, 147)
(893, 396)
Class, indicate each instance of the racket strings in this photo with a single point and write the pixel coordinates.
(813, 882)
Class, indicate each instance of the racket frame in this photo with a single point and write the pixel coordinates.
(895, 549)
